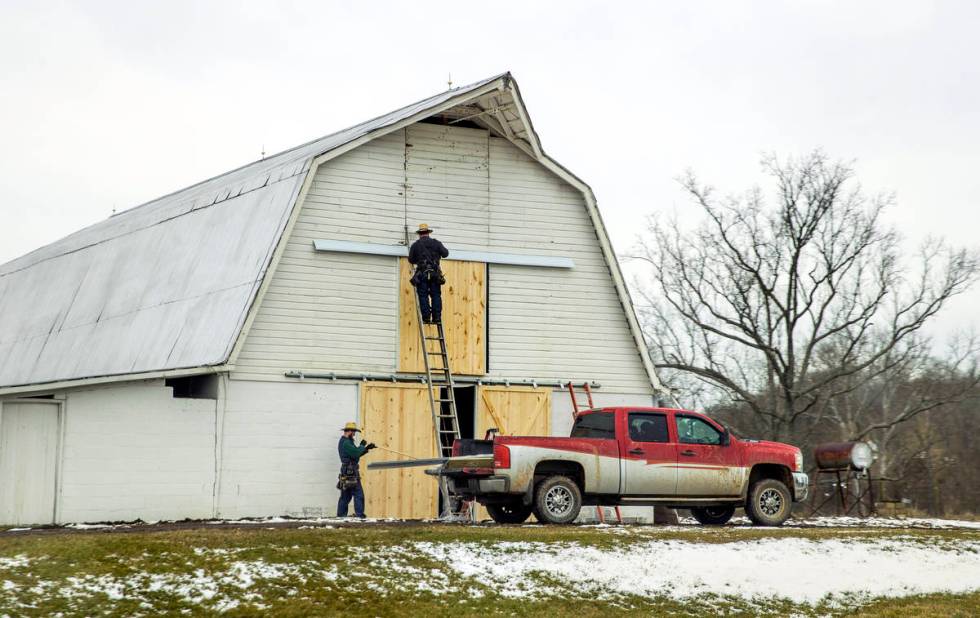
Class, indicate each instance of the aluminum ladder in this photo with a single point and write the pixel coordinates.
(446, 425)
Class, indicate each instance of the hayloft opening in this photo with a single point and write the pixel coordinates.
(194, 387)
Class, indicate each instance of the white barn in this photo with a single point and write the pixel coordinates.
(196, 356)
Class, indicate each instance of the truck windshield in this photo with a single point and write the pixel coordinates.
(595, 425)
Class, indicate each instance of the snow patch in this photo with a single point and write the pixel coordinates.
(799, 570)
(884, 522)
(15, 562)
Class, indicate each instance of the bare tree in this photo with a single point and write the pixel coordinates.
(789, 307)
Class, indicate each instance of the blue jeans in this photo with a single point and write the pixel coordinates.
(426, 289)
(356, 492)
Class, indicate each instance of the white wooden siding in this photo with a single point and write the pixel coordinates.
(448, 182)
(338, 312)
(545, 322)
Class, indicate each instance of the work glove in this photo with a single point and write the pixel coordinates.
(371, 446)
(363, 442)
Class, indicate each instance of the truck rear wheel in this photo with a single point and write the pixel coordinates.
(713, 515)
(510, 513)
(557, 500)
(769, 503)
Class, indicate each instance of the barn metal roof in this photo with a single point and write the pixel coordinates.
(167, 285)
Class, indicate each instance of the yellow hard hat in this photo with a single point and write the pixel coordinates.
(423, 228)
(351, 427)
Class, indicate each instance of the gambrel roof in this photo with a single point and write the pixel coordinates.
(167, 286)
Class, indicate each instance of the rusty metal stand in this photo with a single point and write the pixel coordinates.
(842, 480)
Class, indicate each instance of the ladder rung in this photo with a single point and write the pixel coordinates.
(434, 338)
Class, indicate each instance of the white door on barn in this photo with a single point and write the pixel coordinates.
(28, 462)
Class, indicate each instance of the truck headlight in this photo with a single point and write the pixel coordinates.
(799, 460)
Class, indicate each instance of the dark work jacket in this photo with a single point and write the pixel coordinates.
(350, 456)
(427, 250)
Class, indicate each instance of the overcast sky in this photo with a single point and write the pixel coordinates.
(105, 105)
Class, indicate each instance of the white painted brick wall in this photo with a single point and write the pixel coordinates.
(279, 447)
(132, 451)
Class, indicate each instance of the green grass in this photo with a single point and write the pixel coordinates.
(347, 570)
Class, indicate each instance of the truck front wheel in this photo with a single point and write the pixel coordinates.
(769, 503)
(557, 500)
(511, 513)
(713, 515)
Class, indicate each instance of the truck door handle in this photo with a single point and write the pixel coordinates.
(636, 451)
(688, 453)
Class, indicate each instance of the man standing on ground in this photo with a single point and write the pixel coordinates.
(428, 279)
(349, 482)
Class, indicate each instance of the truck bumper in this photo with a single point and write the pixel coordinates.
(480, 486)
(801, 486)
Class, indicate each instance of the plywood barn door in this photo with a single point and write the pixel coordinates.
(397, 418)
(28, 462)
(464, 319)
(514, 410)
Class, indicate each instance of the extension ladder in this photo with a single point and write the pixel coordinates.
(445, 422)
(444, 418)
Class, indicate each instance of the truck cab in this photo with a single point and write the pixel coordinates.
(634, 456)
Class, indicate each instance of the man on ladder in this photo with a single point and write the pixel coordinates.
(425, 254)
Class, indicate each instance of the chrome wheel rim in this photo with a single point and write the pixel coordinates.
(770, 502)
(558, 500)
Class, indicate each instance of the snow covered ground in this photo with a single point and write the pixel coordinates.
(798, 570)
(811, 522)
(808, 570)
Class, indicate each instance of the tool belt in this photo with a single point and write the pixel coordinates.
(345, 482)
(349, 476)
(427, 272)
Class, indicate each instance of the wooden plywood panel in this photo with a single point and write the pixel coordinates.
(28, 462)
(397, 417)
(464, 318)
(514, 410)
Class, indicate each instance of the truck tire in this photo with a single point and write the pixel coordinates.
(713, 515)
(557, 500)
(769, 504)
(511, 513)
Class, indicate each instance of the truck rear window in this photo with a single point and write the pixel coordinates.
(595, 425)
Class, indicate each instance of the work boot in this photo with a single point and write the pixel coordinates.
(436, 319)
(427, 319)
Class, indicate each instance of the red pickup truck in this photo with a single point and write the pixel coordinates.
(630, 456)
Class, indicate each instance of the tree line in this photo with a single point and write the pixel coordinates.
(797, 313)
